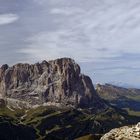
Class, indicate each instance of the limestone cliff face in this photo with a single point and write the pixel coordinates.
(58, 81)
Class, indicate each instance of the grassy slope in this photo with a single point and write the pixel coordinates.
(51, 123)
(90, 137)
(11, 127)
(134, 97)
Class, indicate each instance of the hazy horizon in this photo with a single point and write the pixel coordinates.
(101, 35)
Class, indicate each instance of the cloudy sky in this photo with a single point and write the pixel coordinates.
(103, 36)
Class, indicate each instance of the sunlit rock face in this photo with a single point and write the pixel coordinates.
(124, 133)
(58, 81)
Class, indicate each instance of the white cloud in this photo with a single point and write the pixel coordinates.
(91, 31)
(67, 11)
(8, 18)
(101, 35)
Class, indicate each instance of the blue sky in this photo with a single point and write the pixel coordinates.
(101, 35)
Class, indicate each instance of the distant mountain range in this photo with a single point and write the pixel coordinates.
(125, 85)
(124, 98)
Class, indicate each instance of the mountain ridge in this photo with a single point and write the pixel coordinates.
(123, 98)
(56, 81)
(115, 90)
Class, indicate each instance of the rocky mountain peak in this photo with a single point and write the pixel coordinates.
(58, 81)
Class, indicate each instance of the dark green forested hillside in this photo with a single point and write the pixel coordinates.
(52, 123)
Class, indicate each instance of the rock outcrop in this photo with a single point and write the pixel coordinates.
(2, 103)
(124, 133)
(58, 81)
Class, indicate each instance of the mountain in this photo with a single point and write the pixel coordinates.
(124, 98)
(54, 101)
(124, 85)
(57, 82)
(124, 133)
(110, 92)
